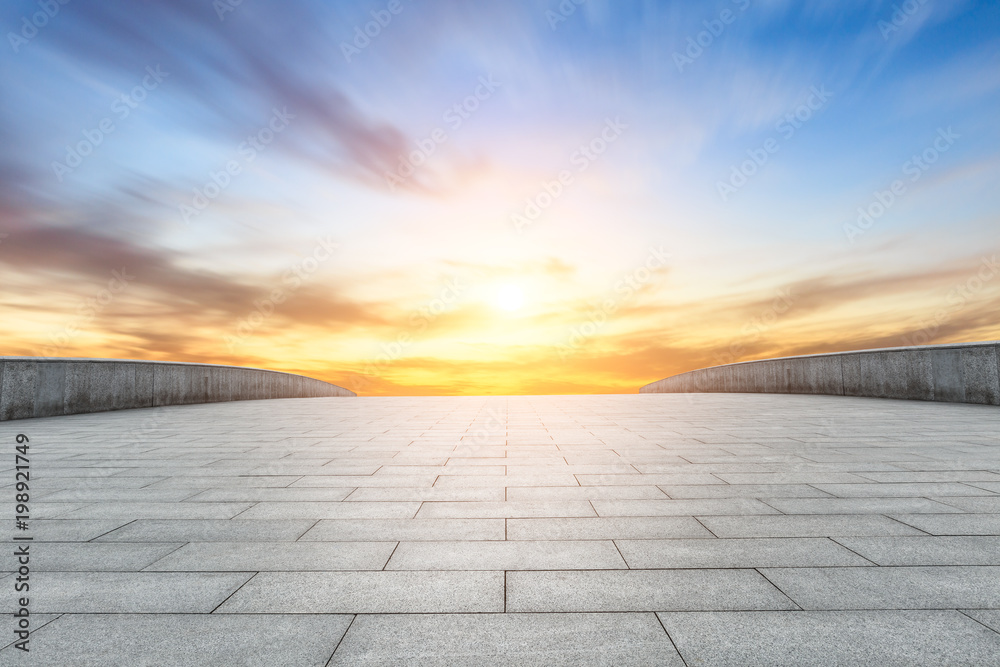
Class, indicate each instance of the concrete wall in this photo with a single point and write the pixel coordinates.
(44, 387)
(961, 373)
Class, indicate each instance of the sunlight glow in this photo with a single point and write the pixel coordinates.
(509, 298)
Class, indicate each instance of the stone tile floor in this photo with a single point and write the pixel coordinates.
(659, 529)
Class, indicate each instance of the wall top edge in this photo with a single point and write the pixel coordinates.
(911, 348)
(81, 360)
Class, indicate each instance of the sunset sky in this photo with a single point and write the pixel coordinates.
(496, 197)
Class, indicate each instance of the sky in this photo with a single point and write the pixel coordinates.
(499, 197)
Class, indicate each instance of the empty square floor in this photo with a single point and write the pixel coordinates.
(652, 529)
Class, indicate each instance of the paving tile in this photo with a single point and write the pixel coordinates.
(736, 553)
(808, 525)
(670, 468)
(507, 555)
(369, 593)
(275, 557)
(793, 477)
(364, 482)
(941, 476)
(395, 530)
(120, 495)
(182, 640)
(568, 508)
(434, 493)
(506, 640)
(956, 457)
(461, 461)
(182, 510)
(450, 481)
(859, 506)
(205, 473)
(47, 510)
(610, 528)
(887, 638)
(132, 592)
(699, 507)
(993, 487)
(978, 505)
(744, 491)
(52, 473)
(97, 556)
(576, 468)
(494, 470)
(104, 483)
(557, 493)
(424, 469)
(646, 480)
(37, 622)
(321, 510)
(953, 524)
(272, 494)
(71, 530)
(988, 617)
(926, 550)
(846, 463)
(642, 590)
(246, 482)
(889, 587)
(208, 530)
(334, 467)
(900, 489)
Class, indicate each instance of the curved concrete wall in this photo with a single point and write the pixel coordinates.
(961, 373)
(44, 387)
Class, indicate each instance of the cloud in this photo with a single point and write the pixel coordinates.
(165, 284)
(235, 71)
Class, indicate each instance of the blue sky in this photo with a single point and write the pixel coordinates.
(203, 84)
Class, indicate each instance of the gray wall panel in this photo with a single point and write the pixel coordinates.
(49, 389)
(45, 387)
(17, 396)
(981, 375)
(959, 373)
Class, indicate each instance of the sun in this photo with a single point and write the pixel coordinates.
(509, 298)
